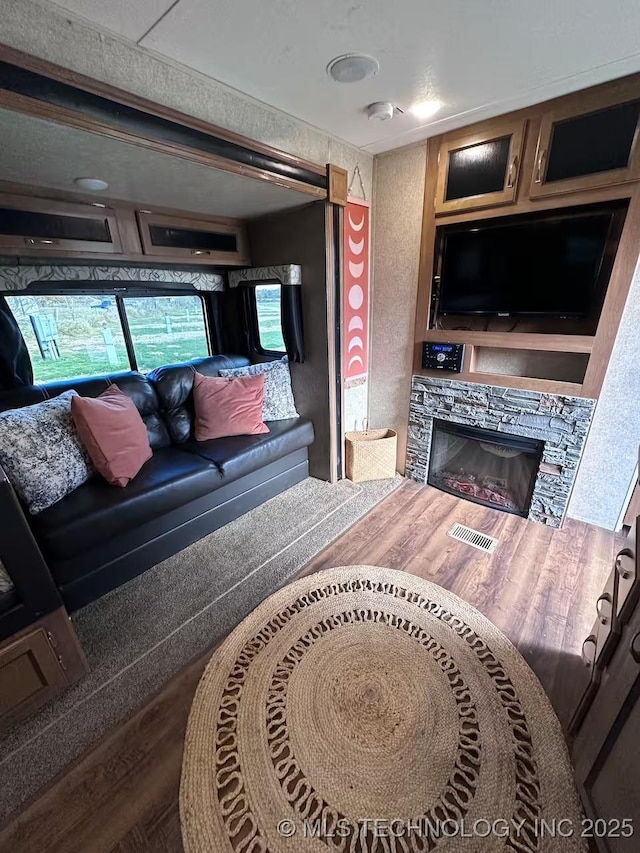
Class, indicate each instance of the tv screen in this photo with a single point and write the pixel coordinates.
(545, 264)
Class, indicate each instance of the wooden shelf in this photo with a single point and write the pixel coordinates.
(526, 383)
(513, 340)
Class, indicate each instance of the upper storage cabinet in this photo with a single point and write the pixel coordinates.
(480, 170)
(589, 142)
(41, 227)
(213, 242)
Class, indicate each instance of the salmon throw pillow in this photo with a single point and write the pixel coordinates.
(227, 407)
(111, 429)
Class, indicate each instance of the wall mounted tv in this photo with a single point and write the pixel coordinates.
(543, 264)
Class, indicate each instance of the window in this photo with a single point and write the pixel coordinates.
(268, 311)
(69, 336)
(165, 329)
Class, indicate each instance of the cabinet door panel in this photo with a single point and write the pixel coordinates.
(480, 171)
(38, 226)
(591, 144)
(598, 142)
(195, 239)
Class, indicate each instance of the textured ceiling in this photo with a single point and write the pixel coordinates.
(43, 154)
(479, 57)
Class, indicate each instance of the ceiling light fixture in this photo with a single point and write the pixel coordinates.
(94, 184)
(353, 68)
(425, 109)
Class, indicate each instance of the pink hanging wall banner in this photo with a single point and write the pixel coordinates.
(355, 309)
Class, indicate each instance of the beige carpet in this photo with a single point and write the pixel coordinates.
(363, 694)
(140, 635)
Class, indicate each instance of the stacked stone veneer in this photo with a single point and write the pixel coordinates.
(561, 422)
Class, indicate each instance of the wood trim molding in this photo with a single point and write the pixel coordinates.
(513, 340)
(333, 256)
(619, 286)
(427, 249)
(96, 87)
(338, 189)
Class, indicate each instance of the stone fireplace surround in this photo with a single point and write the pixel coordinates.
(561, 422)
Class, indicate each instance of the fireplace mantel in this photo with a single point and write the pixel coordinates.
(561, 422)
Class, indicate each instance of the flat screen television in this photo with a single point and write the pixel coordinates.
(535, 265)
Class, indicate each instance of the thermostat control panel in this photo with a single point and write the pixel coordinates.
(443, 356)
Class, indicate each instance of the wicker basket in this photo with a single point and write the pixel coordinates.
(371, 454)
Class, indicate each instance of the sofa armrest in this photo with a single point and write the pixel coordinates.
(22, 557)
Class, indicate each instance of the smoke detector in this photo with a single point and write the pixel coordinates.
(381, 110)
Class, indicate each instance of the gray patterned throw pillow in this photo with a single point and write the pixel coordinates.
(41, 453)
(6, 584)
(278, 402)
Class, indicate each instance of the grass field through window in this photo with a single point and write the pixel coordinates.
(82, 335)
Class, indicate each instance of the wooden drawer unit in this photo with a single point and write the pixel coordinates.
(30, 226)
(198, 240)
(36, 664)
(480, 170)
(606, 749)
(597, 649)
(589, 142)
(608, 630)
(626, 565)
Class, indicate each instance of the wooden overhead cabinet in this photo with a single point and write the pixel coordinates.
(480, 170)
(219, 242)
(589, 142)
(31, 226)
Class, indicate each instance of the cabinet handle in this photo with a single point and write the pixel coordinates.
(604, 599)
(200, 252)
(624, 573)
(541, 158)
(589, 660)
(39, 241)
(635, 648)
(513, 171)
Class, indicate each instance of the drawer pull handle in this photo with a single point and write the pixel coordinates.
(513, 171)
(624, 573)
(635, 648)
(603, 608)
(39, 241)
(541, 158)
(589, 642)
(200, 252)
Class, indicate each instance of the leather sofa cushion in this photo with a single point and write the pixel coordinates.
(174, 386)
(134, 385)
(97, 511)
(238, 455)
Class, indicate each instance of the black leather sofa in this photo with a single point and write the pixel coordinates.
(100, 536)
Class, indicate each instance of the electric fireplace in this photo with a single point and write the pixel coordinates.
(490, 468)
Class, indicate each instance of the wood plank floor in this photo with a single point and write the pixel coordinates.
(540, 588)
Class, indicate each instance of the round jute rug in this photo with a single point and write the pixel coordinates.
(362, 709)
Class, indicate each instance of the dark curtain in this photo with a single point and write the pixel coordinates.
(291, 314)
(15, 364)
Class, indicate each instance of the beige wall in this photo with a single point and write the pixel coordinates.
(397, 224)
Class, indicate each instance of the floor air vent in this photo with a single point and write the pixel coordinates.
(473, 537)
